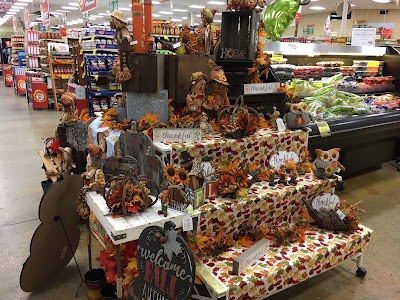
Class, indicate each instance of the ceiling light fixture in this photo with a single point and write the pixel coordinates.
(155, 2)
(382, 1)
(13, 9)
(69, 7)
(73, 4)
(156, 15)
(56, 13)
(11, 13)
(62, 10)
(166, 12)
(197, 6)
(25, 0)
(184, 18)
(317, 8)
(176, 20)
(216, 3)
(180, 10)
(20, 4)
(124, 8)
(198, 15)
(103, 14)
(217, 21)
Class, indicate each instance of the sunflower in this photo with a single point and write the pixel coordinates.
(329, 170)
(227, 184)
(264, 175)
(325, 156)
(170, 172)
(240, 178)
(183, 176)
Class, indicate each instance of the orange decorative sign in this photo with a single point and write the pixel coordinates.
(39, 96)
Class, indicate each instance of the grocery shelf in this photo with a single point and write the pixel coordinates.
(99, 36)
(104, 93)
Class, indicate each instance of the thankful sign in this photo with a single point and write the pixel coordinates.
(165, 264)
(176, 135)
(279, 159)
(325, 201)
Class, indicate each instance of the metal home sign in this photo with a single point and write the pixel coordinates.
(165, 264)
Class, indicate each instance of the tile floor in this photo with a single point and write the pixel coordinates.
(21, 133)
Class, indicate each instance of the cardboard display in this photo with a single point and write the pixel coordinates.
(50, 250)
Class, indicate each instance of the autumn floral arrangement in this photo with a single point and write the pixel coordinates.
(128, 194)
(244, 5)
(148, 123)
(108, 262)
(233, 178)
(177, 179)
(345, 216)
(261, 62)
(238, 120)
(110, 120)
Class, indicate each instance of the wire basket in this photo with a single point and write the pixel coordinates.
(326, 218)
(130, 193)
(237, 121)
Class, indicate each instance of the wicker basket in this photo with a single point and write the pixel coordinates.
(326, 218)
(121, 186)
(233, 113)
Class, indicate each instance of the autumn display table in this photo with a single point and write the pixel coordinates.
(257, 148)
(262, 206)
(282, 267)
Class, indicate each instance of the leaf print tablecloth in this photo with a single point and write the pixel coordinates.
(257, 148)
(285, 266)
(264, 205)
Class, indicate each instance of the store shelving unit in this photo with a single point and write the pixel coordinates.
(61, 66)
(99, 85)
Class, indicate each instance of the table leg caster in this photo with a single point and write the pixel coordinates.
(340, 185)
(361, 272)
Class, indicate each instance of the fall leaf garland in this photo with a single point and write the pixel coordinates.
(261, 63)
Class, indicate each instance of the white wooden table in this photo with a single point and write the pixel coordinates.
(128, 228)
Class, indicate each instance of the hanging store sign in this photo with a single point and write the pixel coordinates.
(363, 37)
(45, 12)
(360, 24)
(308, 29)
(165, 265)
(112, 5)
(86, 5)
(26, 18)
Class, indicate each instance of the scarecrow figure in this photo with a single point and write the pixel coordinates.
(69, 115)
(195, 98)
(124, 39)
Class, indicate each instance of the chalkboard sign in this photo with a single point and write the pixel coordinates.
(165, 264)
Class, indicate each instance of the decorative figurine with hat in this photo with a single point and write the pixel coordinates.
(218, 85)
(195, 98)
(123, 38)
(207, 17)
(67, 159)
(70, 114)
(94, 177)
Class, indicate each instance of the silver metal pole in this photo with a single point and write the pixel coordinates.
(344, 18)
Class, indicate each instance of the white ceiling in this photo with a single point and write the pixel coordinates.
(169, 5)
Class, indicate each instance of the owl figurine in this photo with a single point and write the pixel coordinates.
(327, 163)
(298, 116)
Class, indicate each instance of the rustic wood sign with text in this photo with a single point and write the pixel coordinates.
(178, 135)
(250, 256)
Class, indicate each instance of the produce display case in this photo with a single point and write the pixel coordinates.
(366, 141)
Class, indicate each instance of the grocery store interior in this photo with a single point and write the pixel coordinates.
(92, 93)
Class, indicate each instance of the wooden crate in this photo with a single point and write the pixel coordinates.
(239, 35)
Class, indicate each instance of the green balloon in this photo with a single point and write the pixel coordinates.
(277, 17)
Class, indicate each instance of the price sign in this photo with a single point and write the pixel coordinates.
(94, 51)
(92, 39)
(65, 76)
(373, 64)
(324, 129)
(277, 57)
